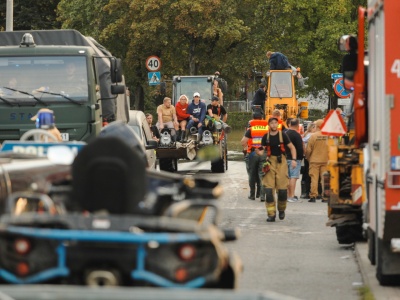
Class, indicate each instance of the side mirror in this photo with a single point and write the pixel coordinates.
(116, 70)
(347, 43)
(117, 89)
(349, 66)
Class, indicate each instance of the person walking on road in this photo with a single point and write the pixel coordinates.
(317, 156)
(305, 178)
(251, 142)
(275, 143)
(294, 173)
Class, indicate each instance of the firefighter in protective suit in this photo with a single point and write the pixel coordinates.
(274, 143)
(317, 155)
(251, 141)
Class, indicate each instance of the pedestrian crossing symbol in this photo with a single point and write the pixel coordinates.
(154, 78)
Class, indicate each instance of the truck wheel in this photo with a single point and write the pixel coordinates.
(222, 164)
(371, 246)
(349, 233)
(387, 262)
(167, 164)
(218, 166)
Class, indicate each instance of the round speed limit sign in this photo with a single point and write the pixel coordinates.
(153, 63)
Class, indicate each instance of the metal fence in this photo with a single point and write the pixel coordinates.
(238, 106)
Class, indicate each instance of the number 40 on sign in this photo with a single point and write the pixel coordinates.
(153, 63)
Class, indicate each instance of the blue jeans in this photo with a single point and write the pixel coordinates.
(192, 123)
(294, 173)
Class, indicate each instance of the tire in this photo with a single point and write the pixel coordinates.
(227, 279)
(167, 164)
(349, 233)
(371, 246)
(222, 164)
(218, 166)
(386, 259)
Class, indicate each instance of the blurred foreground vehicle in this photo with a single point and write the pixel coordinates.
(107, 221)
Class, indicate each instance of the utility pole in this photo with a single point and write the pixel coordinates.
(10, 15)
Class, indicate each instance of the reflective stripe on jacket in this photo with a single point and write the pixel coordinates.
(258, 128)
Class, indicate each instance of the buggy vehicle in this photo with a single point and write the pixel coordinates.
(214, 133)
(106, 220)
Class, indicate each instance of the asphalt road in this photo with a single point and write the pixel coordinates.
(299, 256)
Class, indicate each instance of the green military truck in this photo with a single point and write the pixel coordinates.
(61, 70)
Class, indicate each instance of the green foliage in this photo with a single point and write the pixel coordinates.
(31, 14)
(239, 120)
(200, 37)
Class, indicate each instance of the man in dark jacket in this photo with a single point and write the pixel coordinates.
(278, 61)
(259, 98)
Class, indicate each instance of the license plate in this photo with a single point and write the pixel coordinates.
(65, 136)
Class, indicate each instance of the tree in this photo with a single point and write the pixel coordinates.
(232, 36)
(31, 14)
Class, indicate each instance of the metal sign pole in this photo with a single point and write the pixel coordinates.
(9, 15)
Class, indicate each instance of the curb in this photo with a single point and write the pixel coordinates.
(368, 274)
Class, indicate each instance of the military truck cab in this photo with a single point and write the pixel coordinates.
(61, 70)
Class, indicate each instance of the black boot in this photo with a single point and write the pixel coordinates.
(271, 219)
(281, 215)
(303, 190)
(185, 136)
(251, 196)
(179, 135)
(258, 192)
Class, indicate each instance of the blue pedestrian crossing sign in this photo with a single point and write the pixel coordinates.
(154, 78)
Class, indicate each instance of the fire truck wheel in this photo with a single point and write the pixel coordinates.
(384, 255)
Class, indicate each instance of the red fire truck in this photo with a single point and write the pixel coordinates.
(373, 74)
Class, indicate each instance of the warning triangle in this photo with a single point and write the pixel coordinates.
(333, 124)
